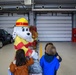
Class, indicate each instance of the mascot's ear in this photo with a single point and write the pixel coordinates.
(14, 35)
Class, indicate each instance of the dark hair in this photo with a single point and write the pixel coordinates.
(20, 57)
(48, 44)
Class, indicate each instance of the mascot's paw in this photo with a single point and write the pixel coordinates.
(34, 55)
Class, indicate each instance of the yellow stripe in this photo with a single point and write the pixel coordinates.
(40, 50)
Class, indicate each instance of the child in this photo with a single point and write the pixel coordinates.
(57, 55)
(20, 65)
(35, 69)
(49, 62)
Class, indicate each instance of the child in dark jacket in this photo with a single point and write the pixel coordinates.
(49, 62)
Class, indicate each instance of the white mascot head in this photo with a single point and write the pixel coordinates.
(21, 29)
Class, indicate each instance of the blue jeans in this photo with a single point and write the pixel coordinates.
(9, 72)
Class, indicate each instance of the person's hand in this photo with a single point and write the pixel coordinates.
(57, 57)
(30, 47)
(14, 62)
(34, 55)
(29, 54)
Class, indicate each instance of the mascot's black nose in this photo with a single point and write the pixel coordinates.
(28, 33)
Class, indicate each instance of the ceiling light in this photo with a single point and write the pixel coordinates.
(60, 7)
(17, 8)
(0, 7)
(28, 2)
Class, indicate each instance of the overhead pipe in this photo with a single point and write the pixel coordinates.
(7, 8)
(70, 10)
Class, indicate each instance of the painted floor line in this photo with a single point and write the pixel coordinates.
(40, 50)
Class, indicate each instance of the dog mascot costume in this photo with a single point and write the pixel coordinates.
(23, 38)
(34, 32)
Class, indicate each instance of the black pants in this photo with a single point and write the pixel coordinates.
(55, 73)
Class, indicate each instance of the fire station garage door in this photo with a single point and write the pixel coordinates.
(54, 27)
(7, 21)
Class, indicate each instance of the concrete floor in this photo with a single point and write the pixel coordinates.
(67, 50)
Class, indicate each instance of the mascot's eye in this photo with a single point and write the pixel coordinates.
(23, 29)
(27, 29)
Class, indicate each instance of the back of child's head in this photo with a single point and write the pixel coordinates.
(20, 57)
(51, 44)
(53, 50)
(50, 49)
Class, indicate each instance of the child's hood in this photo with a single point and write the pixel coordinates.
(48, 58)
